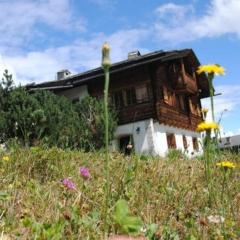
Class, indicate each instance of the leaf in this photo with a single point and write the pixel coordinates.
(132, 225)
(151, 230)
(121, 211)
(128, 224)
(4, 196)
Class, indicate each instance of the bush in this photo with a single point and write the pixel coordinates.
(45, 118)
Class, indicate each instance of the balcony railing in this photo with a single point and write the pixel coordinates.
(184, 83)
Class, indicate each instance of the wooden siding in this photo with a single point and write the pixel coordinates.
(173, 116)
(157, 76)
(136, 112)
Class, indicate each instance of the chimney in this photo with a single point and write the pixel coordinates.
(63, 74)
(134, 54)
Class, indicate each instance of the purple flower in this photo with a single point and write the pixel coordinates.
(68, 184)
(84, 172)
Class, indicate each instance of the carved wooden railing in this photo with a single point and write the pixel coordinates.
(184, 83)
(175, 117)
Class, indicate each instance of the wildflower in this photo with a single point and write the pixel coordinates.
(204, 126)
(215, 219)
(129, 146)
(226, 164)
(84, 172)
(68, 184)
(211, 69)
(105, 56)
(6, 158)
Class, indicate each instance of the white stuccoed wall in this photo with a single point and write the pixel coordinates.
(141, 139)
(151, 138)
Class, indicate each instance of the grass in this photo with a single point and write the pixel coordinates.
(170, 193)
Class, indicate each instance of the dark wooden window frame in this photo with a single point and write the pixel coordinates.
(185, 145)
(195, 144)
(171, 140)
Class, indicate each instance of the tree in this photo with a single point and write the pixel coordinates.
(91, 116)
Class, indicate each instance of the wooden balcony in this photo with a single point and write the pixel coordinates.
(172, 116)
(136, 112)
(185, 84)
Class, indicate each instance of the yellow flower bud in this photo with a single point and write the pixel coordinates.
(105, 56)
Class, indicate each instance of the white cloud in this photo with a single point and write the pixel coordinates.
(19, 19)
(221, 17)
(229, 100)
(80, 55)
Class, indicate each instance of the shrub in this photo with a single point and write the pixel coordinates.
(43, 117)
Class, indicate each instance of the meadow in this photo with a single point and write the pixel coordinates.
(49, 193)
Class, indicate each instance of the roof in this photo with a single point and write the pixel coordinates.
(81, 78)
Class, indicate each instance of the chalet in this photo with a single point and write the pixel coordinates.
(231, 143)
(157, 96)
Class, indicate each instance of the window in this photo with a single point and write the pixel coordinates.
(185, 142)
(117, 99)
(169, 96)
(182, 102)
(142, 93)
(171, 141)
(195, 143)
(194, 107)
(130, 96)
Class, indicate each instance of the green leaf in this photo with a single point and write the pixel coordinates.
(4, 196)
(128, 224)
(121, 211)
(132, 225)
(151, 230)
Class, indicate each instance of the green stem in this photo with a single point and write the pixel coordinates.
(106, 87)
(211, 89)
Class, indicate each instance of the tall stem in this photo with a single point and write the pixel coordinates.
(106, 71)
(106, 65)
(210, 79)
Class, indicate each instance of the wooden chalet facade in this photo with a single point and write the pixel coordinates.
(157, 97)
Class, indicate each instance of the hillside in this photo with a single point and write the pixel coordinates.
(36, 201)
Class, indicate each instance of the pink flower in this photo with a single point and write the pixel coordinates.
(84, 172)
(68, 184)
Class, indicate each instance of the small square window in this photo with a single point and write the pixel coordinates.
(171, 141)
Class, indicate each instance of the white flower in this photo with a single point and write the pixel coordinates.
(215, 219)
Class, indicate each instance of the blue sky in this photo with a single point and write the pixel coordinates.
(40, 37)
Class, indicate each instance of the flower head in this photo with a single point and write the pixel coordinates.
(129, 146)
(226, 165)
(84, 172)
(215, 219)
(105, 56)
(68, 184)
(204, 126)
(6, 158)
(211, 68)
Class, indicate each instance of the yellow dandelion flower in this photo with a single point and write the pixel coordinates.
(204, 126)
(226, 164)
(204, 110)
(211, 68)
(6, 158)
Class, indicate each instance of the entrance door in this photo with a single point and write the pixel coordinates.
(126, 144)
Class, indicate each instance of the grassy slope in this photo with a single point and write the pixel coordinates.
(169, 192)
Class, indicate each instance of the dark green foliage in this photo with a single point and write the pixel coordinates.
(91, 115)
(45, 118)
